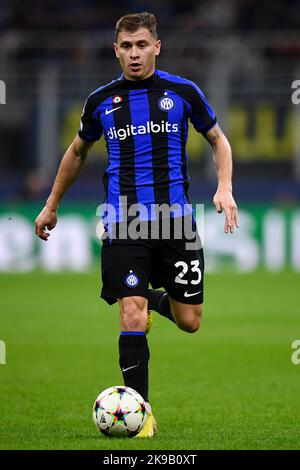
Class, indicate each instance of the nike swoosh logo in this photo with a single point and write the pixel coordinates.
(186, 294)
(131, 367)
(108, 111)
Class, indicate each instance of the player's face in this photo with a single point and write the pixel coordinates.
(136, 53)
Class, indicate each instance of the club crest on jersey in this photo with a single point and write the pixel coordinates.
(117, 99)
(165, 103)
(131, 279)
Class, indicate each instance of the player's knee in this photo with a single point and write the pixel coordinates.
(193, 325)
(132, 311)
(192, 321)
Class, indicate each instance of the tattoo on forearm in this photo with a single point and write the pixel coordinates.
(214, 136)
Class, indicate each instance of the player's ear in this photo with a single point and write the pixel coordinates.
(116, 50)
(157, 47)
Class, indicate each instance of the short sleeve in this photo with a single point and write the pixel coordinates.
(90, 124)
(202, 115)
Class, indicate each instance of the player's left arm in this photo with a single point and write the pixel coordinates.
(223, 199)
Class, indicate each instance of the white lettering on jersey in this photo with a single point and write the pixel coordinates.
(150, 127)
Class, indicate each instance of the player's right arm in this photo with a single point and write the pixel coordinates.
(70, 167)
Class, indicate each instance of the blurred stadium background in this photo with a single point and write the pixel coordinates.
(244, 54)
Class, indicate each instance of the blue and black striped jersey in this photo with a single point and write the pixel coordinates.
(145, 125)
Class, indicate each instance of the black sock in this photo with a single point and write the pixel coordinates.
(158, 300)
(134, 356)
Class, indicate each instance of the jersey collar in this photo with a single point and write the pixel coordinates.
(134, 84)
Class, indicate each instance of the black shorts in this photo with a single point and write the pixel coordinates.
(128, 266)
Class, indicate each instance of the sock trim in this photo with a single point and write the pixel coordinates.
(123, 333)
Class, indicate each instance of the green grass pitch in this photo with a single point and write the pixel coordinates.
(231, 385)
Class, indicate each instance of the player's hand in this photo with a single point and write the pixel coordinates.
(223, 200)
(46, 220)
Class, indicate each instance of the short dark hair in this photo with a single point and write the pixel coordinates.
(135, 21)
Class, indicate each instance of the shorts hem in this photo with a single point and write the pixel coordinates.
(113, 300)
(185, 300)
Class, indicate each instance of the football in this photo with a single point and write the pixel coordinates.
(119, 411)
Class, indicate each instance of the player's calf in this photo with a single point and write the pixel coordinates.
(133, 346)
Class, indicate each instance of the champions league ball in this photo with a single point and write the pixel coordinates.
(119, 411)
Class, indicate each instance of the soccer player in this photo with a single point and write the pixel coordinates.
(144, 116)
